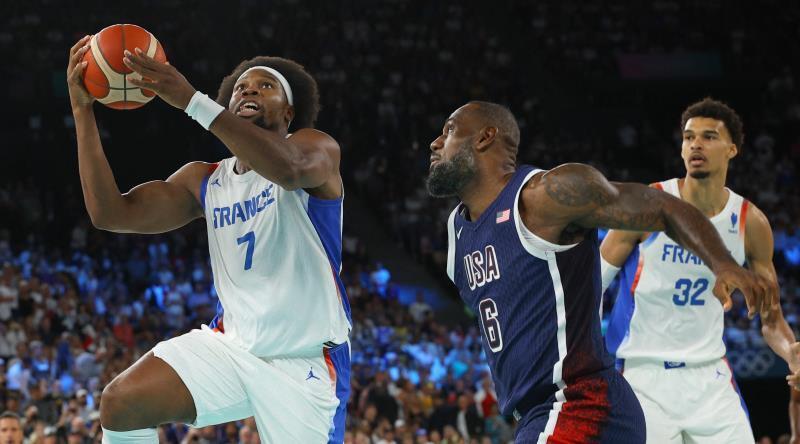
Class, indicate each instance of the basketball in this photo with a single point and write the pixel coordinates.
(105, 76)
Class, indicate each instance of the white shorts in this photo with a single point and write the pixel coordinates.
(294, 400)
(685, 403)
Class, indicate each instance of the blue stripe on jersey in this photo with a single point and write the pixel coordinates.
(741, 399)
(621, 314)
(650, 239)
(340, 359)
(736, 388)
(326, 216)
(203, 186)
(217, 321)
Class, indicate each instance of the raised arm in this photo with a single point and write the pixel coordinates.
(308, 159)
(153, 207)
(580, 196)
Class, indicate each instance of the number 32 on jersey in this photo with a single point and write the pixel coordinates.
(690, 292)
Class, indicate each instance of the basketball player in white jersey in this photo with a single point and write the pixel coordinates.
(666, 329)
(278, 348)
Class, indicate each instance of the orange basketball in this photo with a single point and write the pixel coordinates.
(105, 76)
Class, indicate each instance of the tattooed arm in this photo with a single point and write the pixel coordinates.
(575, 196)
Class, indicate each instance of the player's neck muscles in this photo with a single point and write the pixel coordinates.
(479, 195)
(707, 195)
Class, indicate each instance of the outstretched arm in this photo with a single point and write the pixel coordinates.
(153, 207)
(759, 246)
(577, 194)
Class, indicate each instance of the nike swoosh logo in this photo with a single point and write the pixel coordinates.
(458, 234)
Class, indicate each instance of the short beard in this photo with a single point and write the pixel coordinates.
(699, 174)
(447, 179)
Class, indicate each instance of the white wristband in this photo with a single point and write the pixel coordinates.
(204, 110)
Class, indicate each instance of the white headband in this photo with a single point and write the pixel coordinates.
(284, 83)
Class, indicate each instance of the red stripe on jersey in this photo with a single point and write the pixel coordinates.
(657, 186)
(743, 217)
(212, 167)
(331, 368)
(638, 274)
(584, 413)
(730, 369)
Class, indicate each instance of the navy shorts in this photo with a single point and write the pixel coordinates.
(599, 408)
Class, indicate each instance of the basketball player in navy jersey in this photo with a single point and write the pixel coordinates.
(524, 255)
(278, 348)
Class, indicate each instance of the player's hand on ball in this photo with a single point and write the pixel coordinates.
(161, 78)
(760, 294)
(78, 96)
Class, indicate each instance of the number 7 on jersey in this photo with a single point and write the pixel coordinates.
(250, 238)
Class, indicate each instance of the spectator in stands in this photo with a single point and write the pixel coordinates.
(10, 428)
(468, 422)
(379, 279)
(420, 309)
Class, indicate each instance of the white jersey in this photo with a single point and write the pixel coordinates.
(276, 258)
(665, 309)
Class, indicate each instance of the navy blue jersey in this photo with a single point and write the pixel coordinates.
(537, 302)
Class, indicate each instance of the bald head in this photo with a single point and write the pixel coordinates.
(477, 135)
(500, 117)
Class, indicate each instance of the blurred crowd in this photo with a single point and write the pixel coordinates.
(77, 306)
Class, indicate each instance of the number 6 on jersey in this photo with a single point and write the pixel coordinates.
(491, 327)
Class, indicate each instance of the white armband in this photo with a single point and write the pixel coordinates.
(607, 272)
(204, 110)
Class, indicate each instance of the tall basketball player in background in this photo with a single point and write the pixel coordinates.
(278, 348)
(523, 253)
(666, 329)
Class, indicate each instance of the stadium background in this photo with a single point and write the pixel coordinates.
(603, 84)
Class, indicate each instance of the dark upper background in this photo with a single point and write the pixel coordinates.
(576, 75)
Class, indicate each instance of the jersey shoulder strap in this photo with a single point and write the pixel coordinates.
(451, 244)
(669, 186)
